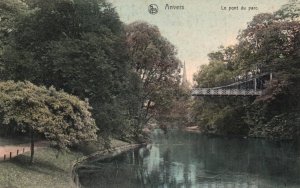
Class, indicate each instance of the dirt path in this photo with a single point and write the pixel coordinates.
(11, 151)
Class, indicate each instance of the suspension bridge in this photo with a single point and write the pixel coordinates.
(249, 85)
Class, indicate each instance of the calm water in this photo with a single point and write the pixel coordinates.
(183, 159)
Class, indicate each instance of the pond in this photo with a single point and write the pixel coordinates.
(188, 160)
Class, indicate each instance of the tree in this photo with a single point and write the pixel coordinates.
(270, 39)
(155, 61)
(59, 117)
(212, 75)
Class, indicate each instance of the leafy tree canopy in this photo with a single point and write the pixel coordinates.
(61, 118)
(155, 60)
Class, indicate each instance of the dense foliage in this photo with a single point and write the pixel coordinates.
(82, 47)
(78, 46)
(270, 43)
(59, 117)
(154, 60)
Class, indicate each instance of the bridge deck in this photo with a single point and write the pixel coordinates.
(224, 92)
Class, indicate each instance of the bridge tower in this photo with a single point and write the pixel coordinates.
(184, 81)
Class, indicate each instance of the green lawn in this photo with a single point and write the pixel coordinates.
(47, 171)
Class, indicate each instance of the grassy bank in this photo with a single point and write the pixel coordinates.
(47, 171)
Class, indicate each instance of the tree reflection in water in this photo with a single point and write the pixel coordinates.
(192, 160)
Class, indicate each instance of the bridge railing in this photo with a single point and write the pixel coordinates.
(249, 87)
(223, 91)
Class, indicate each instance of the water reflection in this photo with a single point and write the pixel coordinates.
(191, 160)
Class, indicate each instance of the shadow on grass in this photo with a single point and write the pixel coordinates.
(40, 166)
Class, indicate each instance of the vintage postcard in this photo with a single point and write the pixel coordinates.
(150, 93)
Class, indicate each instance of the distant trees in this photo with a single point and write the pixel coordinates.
(59, 117)
(271, 43)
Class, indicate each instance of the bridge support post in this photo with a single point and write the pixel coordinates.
(255, 84)
(271, 76)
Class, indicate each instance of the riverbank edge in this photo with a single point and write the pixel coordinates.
(48, 167)
(99, 155)
(198, 130)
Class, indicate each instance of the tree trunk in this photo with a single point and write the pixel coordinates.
(32, 146)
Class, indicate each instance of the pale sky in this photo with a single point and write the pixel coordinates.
(200, 28)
